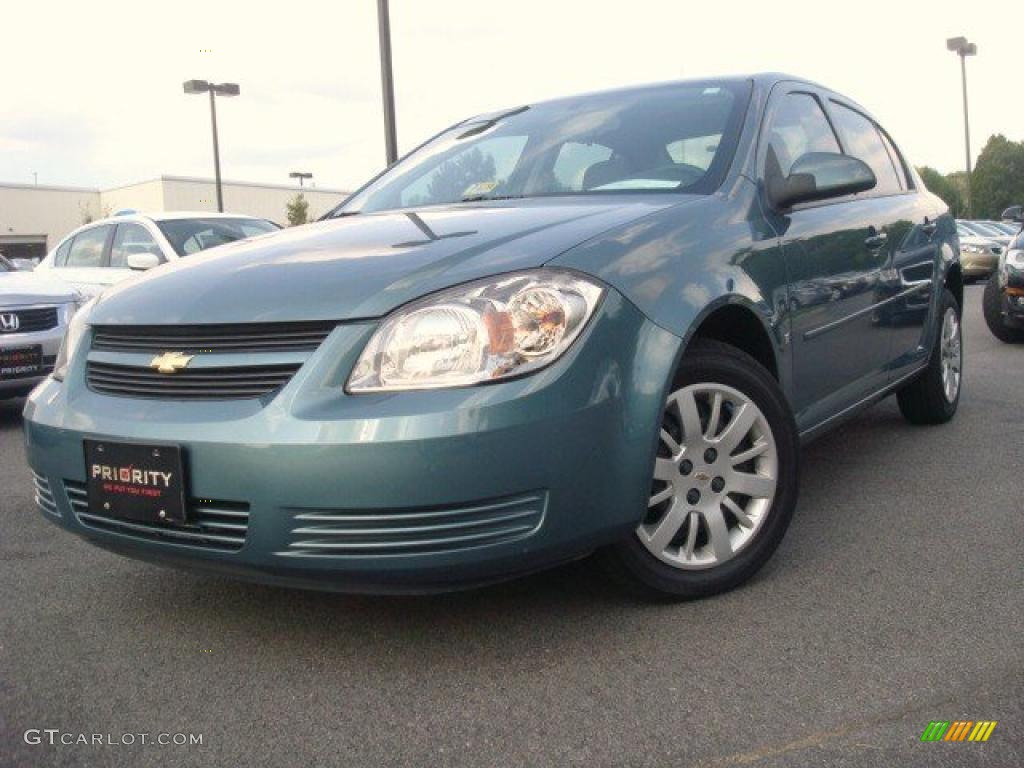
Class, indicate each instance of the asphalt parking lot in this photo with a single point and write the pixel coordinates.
(897, 598)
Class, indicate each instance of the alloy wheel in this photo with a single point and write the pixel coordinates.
(951, 353)
(715, 477)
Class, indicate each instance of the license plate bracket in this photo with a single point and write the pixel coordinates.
(138, 482)
(21, 362)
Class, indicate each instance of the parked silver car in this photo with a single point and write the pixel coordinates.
(986, 230)
(34, 314)
(105, 252)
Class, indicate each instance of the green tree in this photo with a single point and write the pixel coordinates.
(944, 187)
(998, 179)
(297, 210)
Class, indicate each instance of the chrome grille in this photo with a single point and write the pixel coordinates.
(44, 496)
(249, 337)
(196, 384)
(31, 320)
(408, 531)
(212, 524)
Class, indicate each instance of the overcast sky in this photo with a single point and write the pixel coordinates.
(91, 91)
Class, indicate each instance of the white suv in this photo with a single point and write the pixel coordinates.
(108, 251)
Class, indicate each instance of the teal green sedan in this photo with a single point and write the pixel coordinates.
(602, 324)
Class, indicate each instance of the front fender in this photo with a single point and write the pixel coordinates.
(681, 264)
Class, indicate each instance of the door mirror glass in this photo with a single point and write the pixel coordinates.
(142, 261)
(820, 176)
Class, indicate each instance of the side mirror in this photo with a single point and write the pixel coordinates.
(1014, 213)
(142, 261)
(820, 176)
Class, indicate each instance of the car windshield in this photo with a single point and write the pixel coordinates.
(983, 230)
(664, 138)
(188, 236)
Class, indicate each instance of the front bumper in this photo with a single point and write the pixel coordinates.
(407, 492)
(49, 341)
(1011, 283)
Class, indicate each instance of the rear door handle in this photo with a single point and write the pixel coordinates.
(876, 240)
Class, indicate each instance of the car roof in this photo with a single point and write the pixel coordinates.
(166, 216)
(763, 80)
(169, 215)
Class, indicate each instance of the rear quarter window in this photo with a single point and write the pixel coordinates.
(62, 253)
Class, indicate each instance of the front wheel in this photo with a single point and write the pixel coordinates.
(724, 481)
(933, 397)
(991, 308)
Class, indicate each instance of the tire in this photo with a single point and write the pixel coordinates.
(928, 399)
(693, 562)
(991, 308)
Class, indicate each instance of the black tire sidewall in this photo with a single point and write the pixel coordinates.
(720, 364)
(992, 310)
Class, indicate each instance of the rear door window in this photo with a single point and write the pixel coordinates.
(131, 238)
(62, 253)
(863, 141)
(897, 161)
(697, 151)
(574, 160)
(87, 247)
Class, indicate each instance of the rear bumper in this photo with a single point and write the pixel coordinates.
(413, 492)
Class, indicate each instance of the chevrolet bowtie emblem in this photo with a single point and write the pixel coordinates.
(170, 362)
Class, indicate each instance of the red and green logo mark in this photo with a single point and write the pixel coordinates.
(958, 730)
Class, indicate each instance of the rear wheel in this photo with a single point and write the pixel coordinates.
(724, 482)
(991, 308)
(933, 397)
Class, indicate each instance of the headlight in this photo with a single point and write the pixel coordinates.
(72, 307)
(484, 331)
(72, 339)
(1015, 257)
(973, 249)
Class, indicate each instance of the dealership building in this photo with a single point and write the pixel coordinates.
(34, 218)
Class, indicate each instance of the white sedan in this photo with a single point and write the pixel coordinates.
(107, 251)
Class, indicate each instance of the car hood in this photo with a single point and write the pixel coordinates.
(984, 242)
(20, 288)
(364, 266)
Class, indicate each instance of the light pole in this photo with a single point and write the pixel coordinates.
(387, 81)
(223, 89)
(963, 49)
(301, 176)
